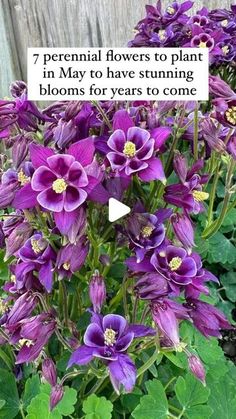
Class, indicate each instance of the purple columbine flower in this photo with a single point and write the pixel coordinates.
(183, 229)
(132, 151)
(226, 112)
(97, 292)
(71, 257)
(49, 371)
(175, 265)
(108, 338)
(145, 232)
(151, 286)
(219, 88)
(62, 182)
(196, 367)
(206, 318)
(188, 194)
(56, 395)
(32, 335)
(40, 256)
(232, 146)
(166, 314)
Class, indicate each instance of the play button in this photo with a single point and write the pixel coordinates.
(116, 210)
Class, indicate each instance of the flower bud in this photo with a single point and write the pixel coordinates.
(219, 88)
(183, 230)
(180, 166)
(196, 367)
(56, 395)
(49, 371)
(97, 291)
(17, 88)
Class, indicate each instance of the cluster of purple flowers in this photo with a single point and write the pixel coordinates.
(173, 27)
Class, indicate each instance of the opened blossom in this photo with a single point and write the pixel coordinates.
(108, 338)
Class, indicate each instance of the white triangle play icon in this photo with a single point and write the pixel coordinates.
(116, 210)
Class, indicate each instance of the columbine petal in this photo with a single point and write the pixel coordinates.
(122, 121)
(114, 322)
(138, 136)
(51, 200)
(42, 178)
(25, 198)
(39, 155)
(122, 373)
(140, 331)
(74, 198)
(77, 175)
(124, 342)
(94, 336)
(81, 356)
(160, 136)
(60, 163)
(117, 141)
(154, 171)
(46, 275)
(83, 151)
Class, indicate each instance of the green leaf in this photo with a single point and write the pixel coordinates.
(39, 406)
(97, 407)
(154, 405)
(222, 399)
(32, 388)
(199, 412)
(221, 250)
(208, 349)
(190, 394)
(8, 393)
(228, 280)
(2, 402)
(174, 359)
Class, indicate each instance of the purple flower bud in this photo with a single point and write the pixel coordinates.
(56, 395)
(180, 166)
(151, 286)
(196, 367)
(183, 230)
(17, 238)
(19, 150)
(17, 88)
(49, 371)
(105, 260)
(219, 88)
(64, 133)
(97, 291)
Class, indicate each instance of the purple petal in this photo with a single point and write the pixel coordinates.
(114, 322)
(77, 175)
(74, 198)
(99, 194)
(51, 200)
(42, 178)
(117, 161)
(172, 252)
(60, 163)
(81, 356)
(141, 331)
(122, 373)
(134, 166)
(122, 121)
(124, 342)
(39, 155)
(146, 151)
(154, 171)
(144, 266)
(188, 268)
(94, 336)
(138, 136)
(117, 141)
(83, 151)
(46, 275)
(64, 220)
(25, 198)
(160, 136)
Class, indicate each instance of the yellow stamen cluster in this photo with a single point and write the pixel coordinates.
(225, 50)
(2, 307)
(13, 278)
(175, 263)
(170, 10)
(147, 231)
(36, 246)
(162, 34)
(22, 178)
(224, 23)
(129, 149)
(66, 266)
(230, 115)
(59, 185)
(26, 342)
(109, 337)
(202, 45)
(200, 196)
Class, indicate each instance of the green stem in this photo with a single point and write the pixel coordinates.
(149, 363)
(6, 359)
(195, 135)
(96, 386)
(213, 192)
(70, 375)
(124, 292)
(62, 285)
(103, 114)
(175, 409)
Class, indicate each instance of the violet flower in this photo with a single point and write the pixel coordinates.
(183, 229)
(145, 232)
(166, 314)
(206, 318)
(97, 292)
(39, 255)
(132, 151)
(71, 257)
(196, 367)
(49, 371)
(188, 194)
(108, 338)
